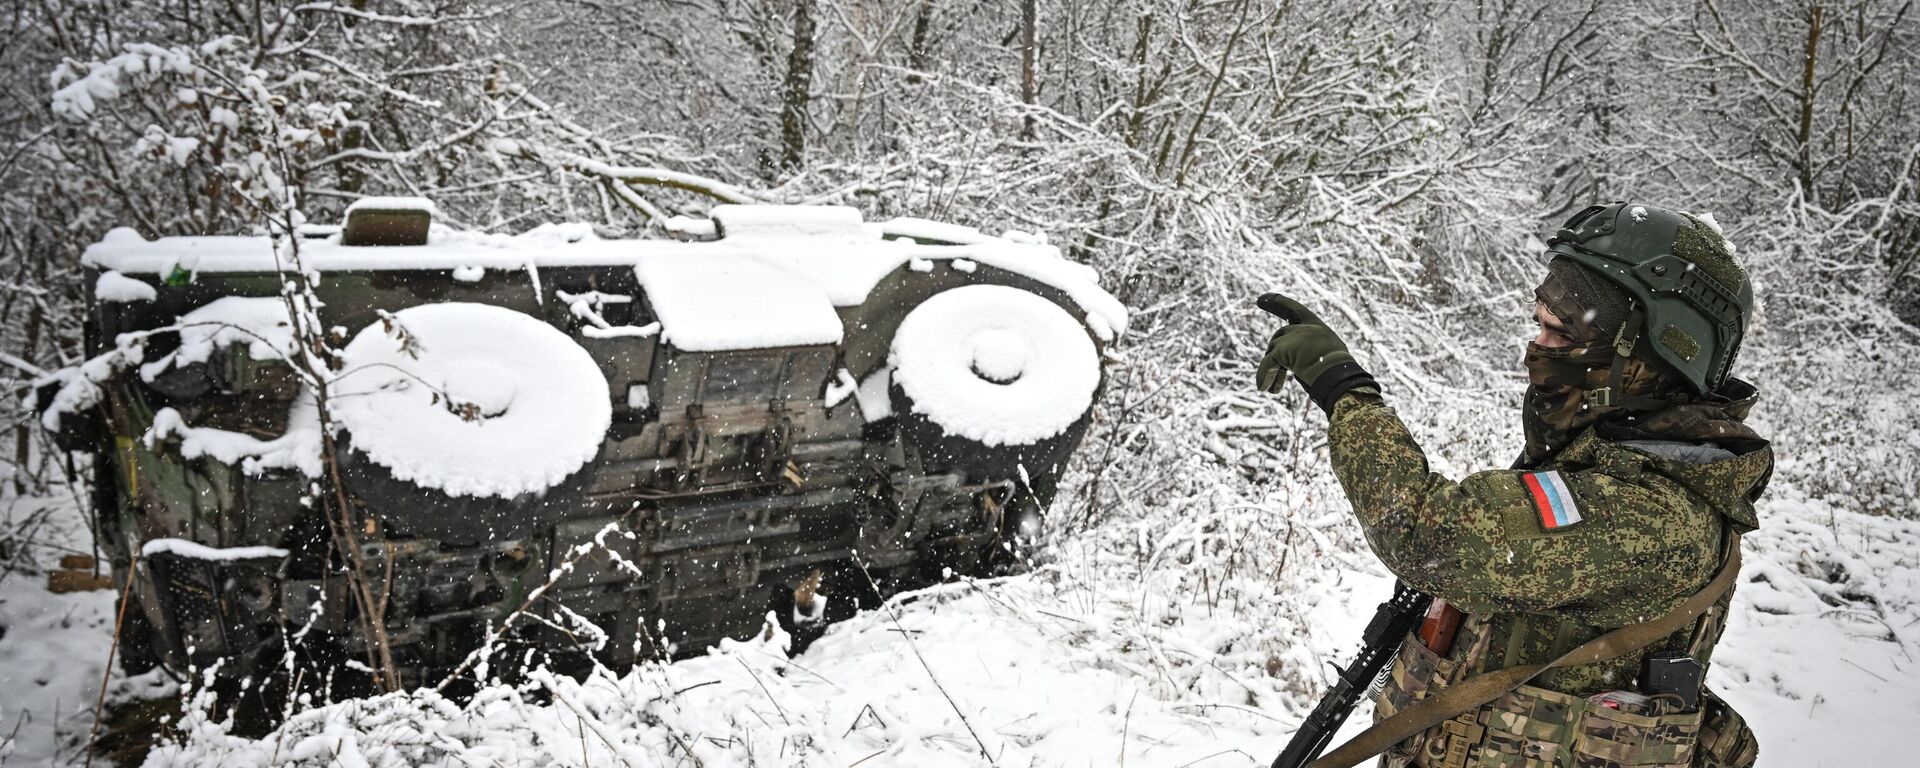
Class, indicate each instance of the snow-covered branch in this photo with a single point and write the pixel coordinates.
(650, 176)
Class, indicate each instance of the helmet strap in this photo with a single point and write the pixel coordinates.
(1615, 392)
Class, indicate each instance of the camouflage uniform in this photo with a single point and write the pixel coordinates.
(1658, 504)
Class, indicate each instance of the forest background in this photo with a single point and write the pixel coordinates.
(1395, 164)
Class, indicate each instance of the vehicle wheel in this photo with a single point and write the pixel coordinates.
(993, 382)
(469, 422)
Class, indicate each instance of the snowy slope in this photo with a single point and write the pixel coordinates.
(1101, 657)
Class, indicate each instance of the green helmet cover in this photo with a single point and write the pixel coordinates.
(1680, 272)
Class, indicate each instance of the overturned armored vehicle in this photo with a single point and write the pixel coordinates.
(393, 443)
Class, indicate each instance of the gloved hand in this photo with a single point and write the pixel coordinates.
(1312, 352)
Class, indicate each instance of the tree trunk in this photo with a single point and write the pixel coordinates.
(1206, 105)
(23, 434)
(793, 113)
(1808, 90)
(1028, 88)
(918, 57)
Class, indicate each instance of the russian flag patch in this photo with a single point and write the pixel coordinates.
(1552, 499)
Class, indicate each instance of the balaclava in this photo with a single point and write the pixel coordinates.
(1556, 408)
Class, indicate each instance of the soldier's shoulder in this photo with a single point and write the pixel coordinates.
(1615, 487)
(1720, 478)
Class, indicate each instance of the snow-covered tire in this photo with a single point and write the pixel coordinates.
(469, 422)
(993, 381)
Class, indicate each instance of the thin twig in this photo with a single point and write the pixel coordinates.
(106, 675)
(1212, 756)
(915, 647)
(763, 689)
(565, 567)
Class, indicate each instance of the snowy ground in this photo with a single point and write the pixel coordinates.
(52, 647)
(1098, 658)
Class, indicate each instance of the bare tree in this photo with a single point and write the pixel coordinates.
(1029, 86)
(799, 81)
(1810, 90)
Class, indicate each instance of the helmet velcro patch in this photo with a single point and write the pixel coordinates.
(1681, 342)
(1707, 252)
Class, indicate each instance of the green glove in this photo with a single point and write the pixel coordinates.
(1312, 352)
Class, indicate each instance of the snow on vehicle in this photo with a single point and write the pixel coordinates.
(792, 399)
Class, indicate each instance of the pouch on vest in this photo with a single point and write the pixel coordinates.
(1605, 737)
(1532, 727)
(1725, 740)
(1500, 720)
(1416, 673)
(1536, 728)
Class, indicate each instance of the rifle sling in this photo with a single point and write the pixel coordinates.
(1476, 691)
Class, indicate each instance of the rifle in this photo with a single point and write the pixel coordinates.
(1391, 623)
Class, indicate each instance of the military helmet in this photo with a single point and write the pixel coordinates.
(1691, 299)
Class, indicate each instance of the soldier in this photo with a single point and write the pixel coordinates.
(1626, 506)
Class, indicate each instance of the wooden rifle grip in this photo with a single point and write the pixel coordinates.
(1438, 628)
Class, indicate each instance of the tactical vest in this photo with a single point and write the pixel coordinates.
(1536, 727)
